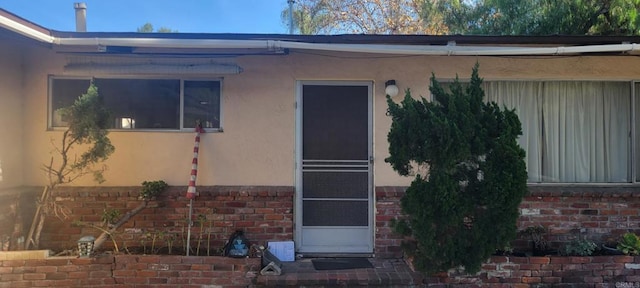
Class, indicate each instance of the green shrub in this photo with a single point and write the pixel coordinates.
(537, 235)
(151, 189)
(629, 244)
(466, 206)
(579, 247)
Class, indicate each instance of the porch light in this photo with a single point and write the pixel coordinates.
(85, 246)
(390, 88)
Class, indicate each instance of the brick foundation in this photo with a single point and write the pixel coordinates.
(192, 271)
(596, 271)
(263, 213)
(130, 271)
(266, 213)
(596, 212)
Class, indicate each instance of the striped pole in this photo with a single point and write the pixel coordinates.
(191, 190)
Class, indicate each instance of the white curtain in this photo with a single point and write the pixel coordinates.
(526, 99)
(573, 131)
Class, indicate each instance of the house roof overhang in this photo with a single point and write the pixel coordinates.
(199, 44)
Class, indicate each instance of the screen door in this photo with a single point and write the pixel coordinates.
(334, 195)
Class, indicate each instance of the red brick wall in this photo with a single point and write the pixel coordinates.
(387, 243)
(181, 271)
(264, 213)
(129, 271)
(594, 212)
(597, 271)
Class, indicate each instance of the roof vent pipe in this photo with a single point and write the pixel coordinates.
(290, 15)
(81, 16)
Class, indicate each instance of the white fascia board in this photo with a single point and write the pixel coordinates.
(165, 43)
(355, 48)
(277, 45)
(25, 30)
(461, 50)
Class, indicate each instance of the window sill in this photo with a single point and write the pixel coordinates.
(584, 190)
(186, 130)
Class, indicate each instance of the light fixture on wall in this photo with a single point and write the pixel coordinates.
(390, 88)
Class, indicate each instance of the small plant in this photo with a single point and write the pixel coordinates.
(579, 247)
(151, 189)
(170, 238)
(629, 244)
(209, 238)
(155, 236)
(537, 235)
(110, 217)
(200, 221)
(143, 241)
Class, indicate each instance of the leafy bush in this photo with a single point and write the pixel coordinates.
(537, 235)
(579, 247)
(629, 244)
(151, 189)
(466, 205)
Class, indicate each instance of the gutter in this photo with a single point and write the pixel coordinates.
(24, 30)
(278, 45)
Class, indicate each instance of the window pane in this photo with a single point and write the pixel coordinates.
(573, 131)
(142, 103)
(202, 103)
(335, 213)
(63, 93)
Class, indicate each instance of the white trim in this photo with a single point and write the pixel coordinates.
(279, 45)
(298, 235)
(634, 136)
(150, 69)
(25, 30)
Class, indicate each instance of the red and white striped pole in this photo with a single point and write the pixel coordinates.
(191, 190)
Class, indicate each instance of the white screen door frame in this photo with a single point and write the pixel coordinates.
(334, 207)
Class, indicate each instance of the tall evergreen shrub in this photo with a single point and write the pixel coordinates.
(465, 206)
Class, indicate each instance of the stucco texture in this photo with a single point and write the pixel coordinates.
(11, 116)
(257, 146)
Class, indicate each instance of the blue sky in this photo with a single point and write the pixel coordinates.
(200, 16)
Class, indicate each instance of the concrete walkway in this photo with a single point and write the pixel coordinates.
(386, 273)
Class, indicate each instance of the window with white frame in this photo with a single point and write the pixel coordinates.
(144, 103)
(573, 131)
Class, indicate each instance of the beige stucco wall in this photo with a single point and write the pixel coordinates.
(11, 116)
(257, 146)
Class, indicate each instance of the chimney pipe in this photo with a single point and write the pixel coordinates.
(81, 16)
(291, 15)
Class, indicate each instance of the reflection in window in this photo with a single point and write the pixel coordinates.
(145, 103)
